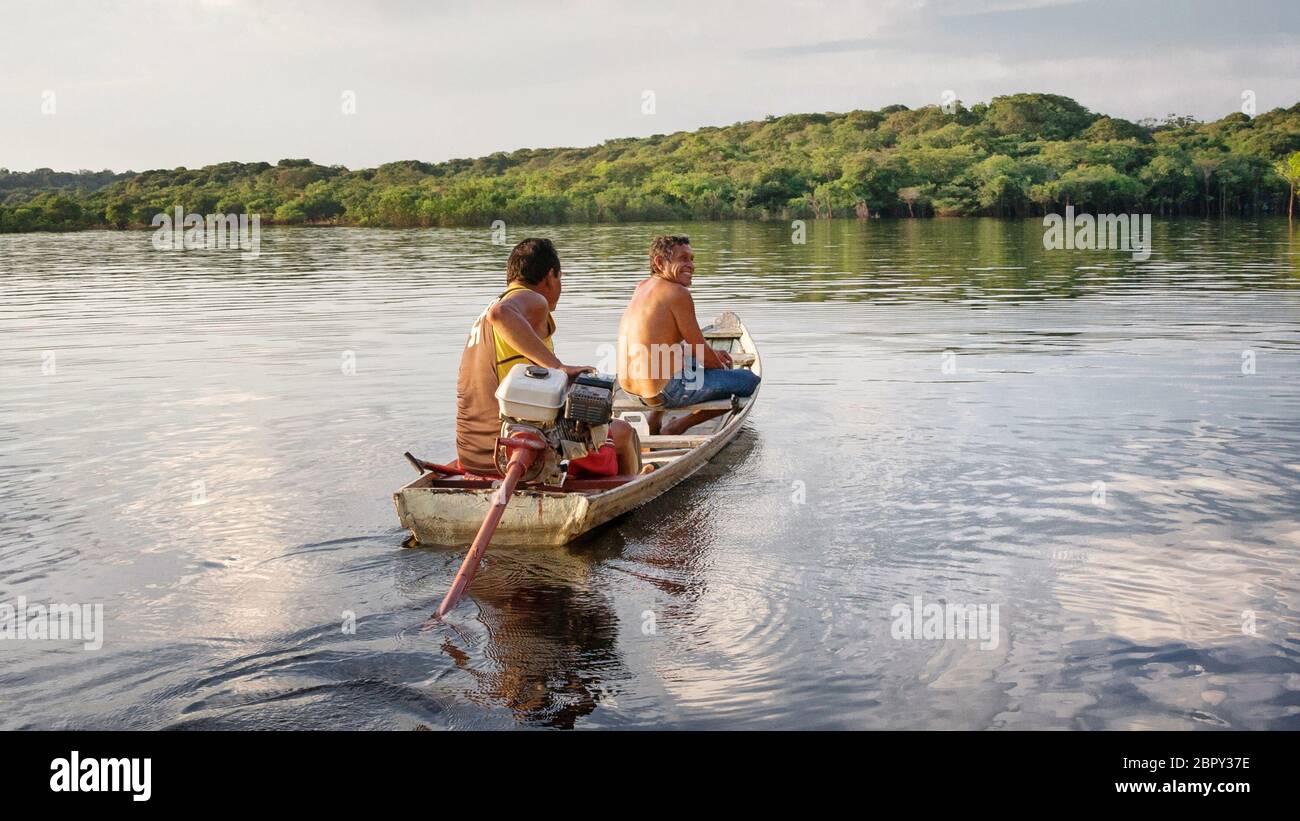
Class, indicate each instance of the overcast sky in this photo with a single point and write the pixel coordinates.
(139, 85)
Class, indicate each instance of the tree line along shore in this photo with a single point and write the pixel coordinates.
(1018, 155)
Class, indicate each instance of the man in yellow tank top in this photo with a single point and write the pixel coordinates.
(507, 355)
(517, 328)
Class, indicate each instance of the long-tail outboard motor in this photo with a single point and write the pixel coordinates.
(544, 420)
(573, 420)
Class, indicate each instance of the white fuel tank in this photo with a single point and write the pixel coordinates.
(532, 393)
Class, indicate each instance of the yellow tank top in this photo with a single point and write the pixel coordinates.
(506, 355)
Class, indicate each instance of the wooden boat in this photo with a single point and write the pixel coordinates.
(442, 508)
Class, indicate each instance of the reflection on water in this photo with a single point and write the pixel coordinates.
(1107, 450)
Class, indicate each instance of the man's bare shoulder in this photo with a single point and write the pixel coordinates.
(661, 290)
(679, 296)
(530, 303)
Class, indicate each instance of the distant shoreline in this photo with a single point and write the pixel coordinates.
(1019, 155)
(889, 220)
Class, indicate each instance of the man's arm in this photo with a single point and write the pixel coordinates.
(517, 320)
(683, 306)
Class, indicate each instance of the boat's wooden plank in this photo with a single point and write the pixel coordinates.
(667, 453)
(601, 483)
(726, 322)
(657, 442)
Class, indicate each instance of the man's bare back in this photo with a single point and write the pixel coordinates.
(659, 325)
(650, 343)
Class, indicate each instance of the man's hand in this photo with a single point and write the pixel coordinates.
(714, 358)
(574, 370)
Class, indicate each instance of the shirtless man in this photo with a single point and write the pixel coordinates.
(517, 328)
(663, 358)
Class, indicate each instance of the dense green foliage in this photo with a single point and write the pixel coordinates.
(1021, 154)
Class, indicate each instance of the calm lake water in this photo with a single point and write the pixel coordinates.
(1106, 451)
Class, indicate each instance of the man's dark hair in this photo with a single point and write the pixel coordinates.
(663, 247)
(532, 260)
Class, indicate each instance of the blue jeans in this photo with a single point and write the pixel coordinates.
(695, 384)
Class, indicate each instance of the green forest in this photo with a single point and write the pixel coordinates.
(1018, 155)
